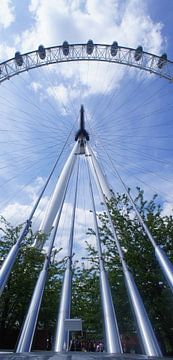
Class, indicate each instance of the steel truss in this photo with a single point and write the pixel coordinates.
(78, 52)
(81, 52)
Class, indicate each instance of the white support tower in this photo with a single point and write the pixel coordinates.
(59, 191)
(51, 219)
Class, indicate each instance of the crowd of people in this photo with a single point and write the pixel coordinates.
(86, 345)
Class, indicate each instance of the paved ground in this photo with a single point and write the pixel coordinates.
(74, 356)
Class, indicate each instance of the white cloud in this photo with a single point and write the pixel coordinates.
(6, 52)
(34, 4)
(67, 95)
(167, 209)
(138, 28)
(33, 190)
(15, 213)
(168, 199)
(7, 15)
(36, 86)
(83, 221)
(61, 93)
(127, 22)
(18, 212)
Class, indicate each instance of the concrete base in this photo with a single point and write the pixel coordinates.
(49, 355)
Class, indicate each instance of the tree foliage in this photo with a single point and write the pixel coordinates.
(86, 302)
(140, 257)
(20, 286)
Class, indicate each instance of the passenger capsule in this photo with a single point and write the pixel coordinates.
(65, 48)
(114, 48)
(162, 61)
(41, 52)
(138, 53)
(18, 58)
(90, 47)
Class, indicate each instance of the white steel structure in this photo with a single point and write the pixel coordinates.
(114, 53)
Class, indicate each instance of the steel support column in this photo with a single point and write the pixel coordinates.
(55, 201)
(112, 335)
(62, 335)
(102, 178)
(11, 257)
(28, 330)
(148, 340)
(164, 262)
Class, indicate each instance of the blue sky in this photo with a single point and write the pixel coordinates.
(128, 112)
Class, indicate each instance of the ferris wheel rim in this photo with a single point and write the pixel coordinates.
(79, 52)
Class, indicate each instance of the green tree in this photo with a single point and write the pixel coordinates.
(86, 300)
(139, 255)
(19, 288)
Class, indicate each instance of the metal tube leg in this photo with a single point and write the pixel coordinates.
(7, 266)
(149, 341)
(61, 336)
(113, 342)
(164, 262)
(102, 179)
(111, 327)
(58, 193)
(25, 341)
(11, 257)
(26, 337)
(165, 265)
